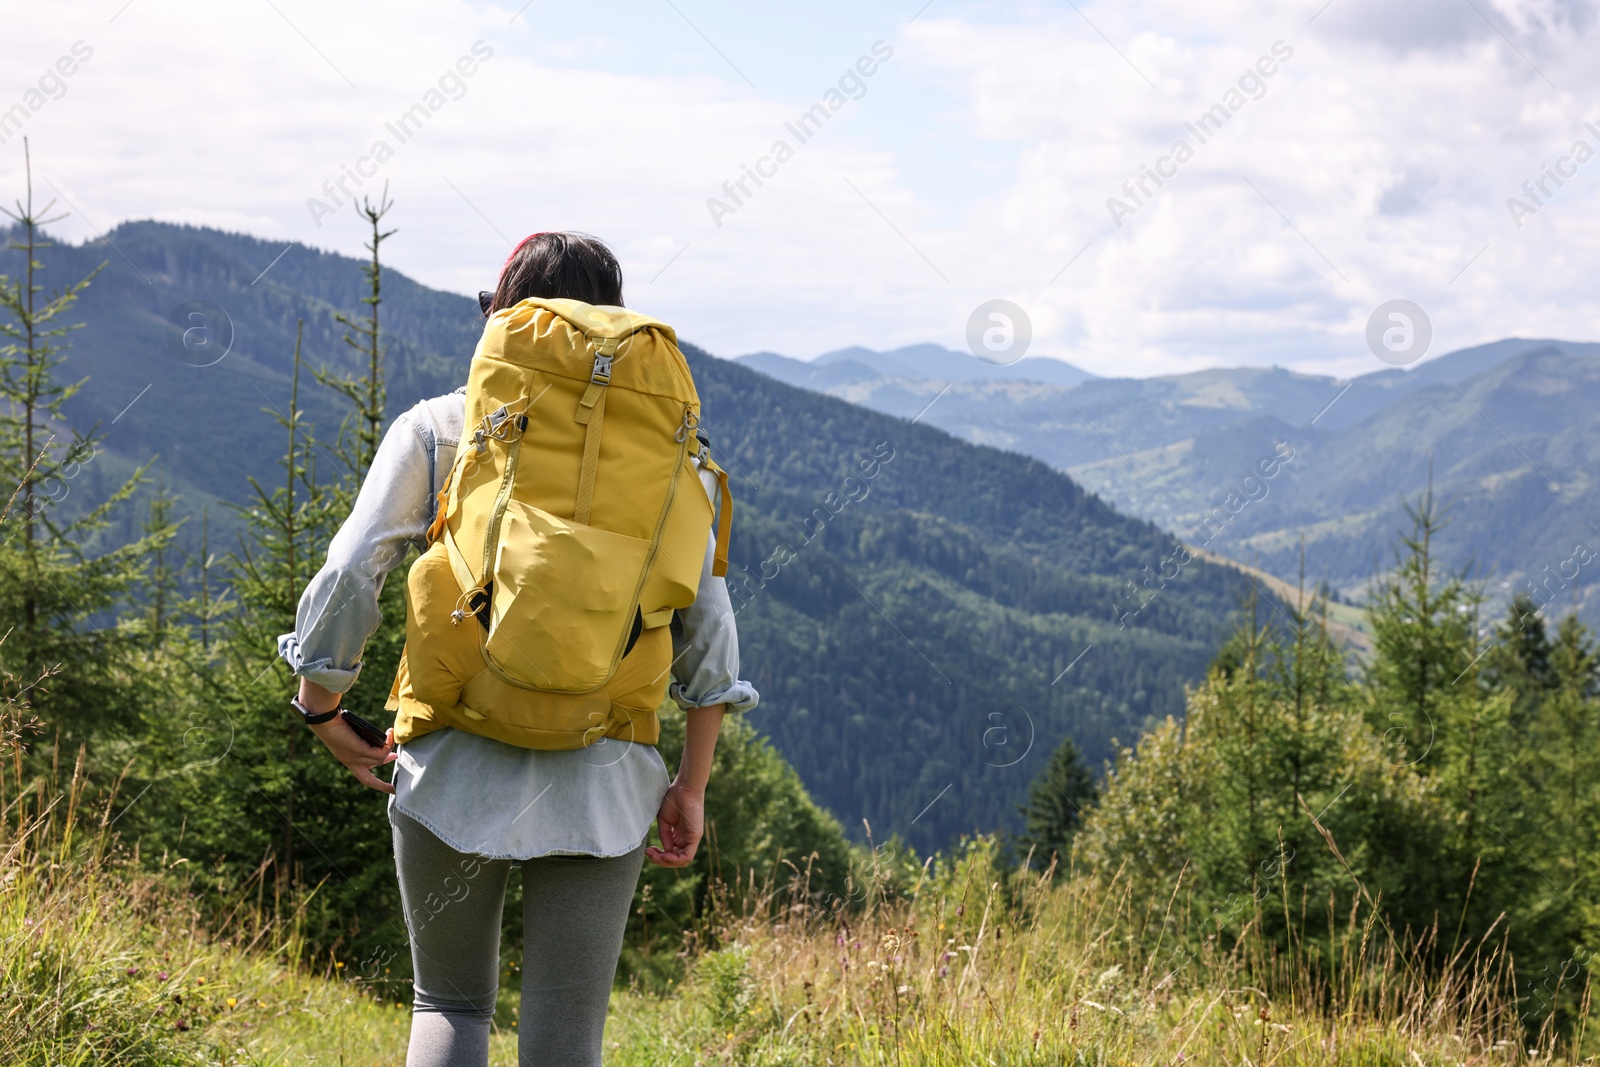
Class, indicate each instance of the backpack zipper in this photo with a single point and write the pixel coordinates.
(684, 435)
(502, 499)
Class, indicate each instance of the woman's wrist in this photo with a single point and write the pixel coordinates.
(699, 744)
(316, 698)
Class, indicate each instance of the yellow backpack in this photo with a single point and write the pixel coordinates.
(572, 525)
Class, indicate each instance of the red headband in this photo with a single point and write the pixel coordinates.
(520, 245)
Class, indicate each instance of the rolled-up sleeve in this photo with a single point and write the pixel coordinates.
(339, 609)
(705, 643)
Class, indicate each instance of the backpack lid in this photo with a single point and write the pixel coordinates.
(598, 322)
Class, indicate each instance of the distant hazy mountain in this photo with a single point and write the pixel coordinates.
(1510, 429)
(1373, 392)
(857, 366)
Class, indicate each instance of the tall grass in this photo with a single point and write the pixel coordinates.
(979, 966)
(107, 957)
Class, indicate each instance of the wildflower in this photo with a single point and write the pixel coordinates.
(233, 1001)
(133, 971)
(161, 976)
(199, 981)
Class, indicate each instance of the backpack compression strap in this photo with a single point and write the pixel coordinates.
(719, 561)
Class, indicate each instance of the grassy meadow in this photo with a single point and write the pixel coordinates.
(108, 958)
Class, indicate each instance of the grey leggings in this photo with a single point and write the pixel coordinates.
(574, 910)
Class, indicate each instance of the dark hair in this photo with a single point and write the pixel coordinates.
(553, 266)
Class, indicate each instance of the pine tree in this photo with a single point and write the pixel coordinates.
(1566, 741)
(161, 579)
(57, 590)
(1058, 801)
(1521, 657)
(1424, 640)
(264, 798)
(273, 565)
(362, 432)
(304, 818)
(1275, 752)
(206, 604)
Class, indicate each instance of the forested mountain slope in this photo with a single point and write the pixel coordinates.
(926, 618)
(918, 642)
(1508, 428)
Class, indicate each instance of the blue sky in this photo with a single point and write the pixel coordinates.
(793, 54)
(985, 160)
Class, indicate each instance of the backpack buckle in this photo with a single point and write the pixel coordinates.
(503, 425)
(601, 375)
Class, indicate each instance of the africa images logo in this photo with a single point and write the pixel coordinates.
(452, 84)
(1207, 126)
(853, 82)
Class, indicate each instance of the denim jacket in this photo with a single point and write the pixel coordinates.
(339, 609)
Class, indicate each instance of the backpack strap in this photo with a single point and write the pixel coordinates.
(719, 560)
(447, 492)
(591, 413)
(441, 517)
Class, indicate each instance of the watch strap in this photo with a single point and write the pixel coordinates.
(312, 718)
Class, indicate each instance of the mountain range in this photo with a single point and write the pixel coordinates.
(1507, 432)
(926, 618)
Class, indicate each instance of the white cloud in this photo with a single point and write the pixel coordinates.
(1390, 140)
(1391, 151)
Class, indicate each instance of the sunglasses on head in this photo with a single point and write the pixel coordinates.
(485, 301)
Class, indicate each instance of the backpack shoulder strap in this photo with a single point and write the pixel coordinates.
(719, 559)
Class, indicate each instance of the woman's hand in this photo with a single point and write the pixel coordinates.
(348, 748)
(680, 823)
(345, 744)
(682, 819)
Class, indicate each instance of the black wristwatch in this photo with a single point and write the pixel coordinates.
(312, 718)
